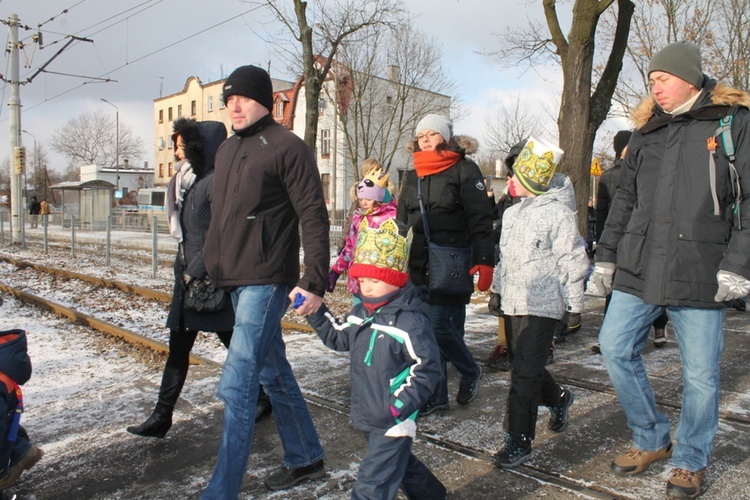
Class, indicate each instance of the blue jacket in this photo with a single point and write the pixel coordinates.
(16, 365)
(395, 360)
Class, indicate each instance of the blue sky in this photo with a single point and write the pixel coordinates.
(146, 47)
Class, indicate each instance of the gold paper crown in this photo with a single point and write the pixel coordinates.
(535, 170)
(377, 177)
(382, 246)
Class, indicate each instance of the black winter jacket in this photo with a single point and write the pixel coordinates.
(396, 340)
(266, 185)
(458, 215)
(662, 231)
(195, 218)
(608, 183)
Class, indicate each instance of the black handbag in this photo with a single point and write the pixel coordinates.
(448, 267)
(201, 295)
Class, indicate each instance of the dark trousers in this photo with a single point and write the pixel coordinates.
(390, 465)
(181, 343)
(531, 385)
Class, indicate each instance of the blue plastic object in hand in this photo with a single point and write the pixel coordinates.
(299, 299)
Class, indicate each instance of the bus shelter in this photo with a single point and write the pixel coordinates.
(90, 202)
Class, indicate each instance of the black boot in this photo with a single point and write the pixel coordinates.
(264, 407)
(160, 420)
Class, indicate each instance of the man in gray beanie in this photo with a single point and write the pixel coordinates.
(676, 237)
(266, 186)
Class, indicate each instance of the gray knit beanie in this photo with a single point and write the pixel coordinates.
(438, 123)
(681, 59)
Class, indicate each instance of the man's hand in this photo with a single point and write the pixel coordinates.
(731, 286)
(600, 283)
(310, 304)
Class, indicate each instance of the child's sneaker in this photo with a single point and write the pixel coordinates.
(498, 360)
(660, 337)
(516, 450)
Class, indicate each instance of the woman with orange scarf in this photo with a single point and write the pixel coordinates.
(458, 215)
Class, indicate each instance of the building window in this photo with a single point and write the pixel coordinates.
(193, 109)
(221, 103)
(325, 142)
(161, 143)
(171, 169)
(161, 116)
(210, 104)
(161, 170)
(279, 108)
(169, 114)
(179, 111)
(326, 181)
(170, 144)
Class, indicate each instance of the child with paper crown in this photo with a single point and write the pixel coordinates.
(17, 454)
(539, 276)
(375, 206)
(395, 364)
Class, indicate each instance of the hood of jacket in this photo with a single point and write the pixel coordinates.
(561, 189)
(202, 140)
(14, 358)
(714, 94)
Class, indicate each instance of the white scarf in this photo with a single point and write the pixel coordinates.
(179, 184)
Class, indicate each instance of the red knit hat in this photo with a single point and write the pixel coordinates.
(381, 253)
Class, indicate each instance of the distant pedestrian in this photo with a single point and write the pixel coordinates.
(678, 234)
(539, 277)
(395, 365)
(266, 186)
(34, 209)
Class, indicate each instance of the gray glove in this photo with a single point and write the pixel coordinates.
(600, 283)
(731, 286)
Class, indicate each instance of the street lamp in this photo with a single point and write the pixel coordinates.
(117, 142)
(36, 160)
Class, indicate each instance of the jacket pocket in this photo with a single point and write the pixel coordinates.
(631, 250)
(698, 251)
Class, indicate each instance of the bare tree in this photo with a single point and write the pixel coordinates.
(584, 106)
(727, 51)
(384, 88)
(655, 24)
(507, 125)
(319, 35)
(90, 138)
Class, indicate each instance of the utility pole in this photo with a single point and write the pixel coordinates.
(36, 162)
(17, 203)
(117, 145)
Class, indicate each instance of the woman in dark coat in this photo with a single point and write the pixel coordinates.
(458, 215)
(189, 212)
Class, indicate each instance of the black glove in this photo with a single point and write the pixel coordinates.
(494, 305)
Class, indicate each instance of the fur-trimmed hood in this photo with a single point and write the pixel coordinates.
(461, 143)
(720, 94)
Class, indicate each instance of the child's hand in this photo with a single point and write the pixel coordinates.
(332, 278)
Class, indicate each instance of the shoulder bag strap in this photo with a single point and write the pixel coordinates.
(425, 227)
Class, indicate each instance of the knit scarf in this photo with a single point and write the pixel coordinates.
(181, 181)
(431, 162)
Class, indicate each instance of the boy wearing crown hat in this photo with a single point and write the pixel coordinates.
(375, 206)
(539, 277)
(395, 364)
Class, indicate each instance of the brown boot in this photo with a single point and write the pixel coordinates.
(685, 484)
(636, 461)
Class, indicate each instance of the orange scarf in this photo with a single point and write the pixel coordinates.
(431, 162)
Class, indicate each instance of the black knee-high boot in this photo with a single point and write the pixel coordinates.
(160, 420)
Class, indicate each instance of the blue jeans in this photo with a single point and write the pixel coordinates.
(448, 324)
(257, 354)
(700, 337)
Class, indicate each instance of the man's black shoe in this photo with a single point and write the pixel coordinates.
(284, 477)
(516, 450)
(467, 391)
(558, 415)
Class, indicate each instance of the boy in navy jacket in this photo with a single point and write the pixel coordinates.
(395, 365)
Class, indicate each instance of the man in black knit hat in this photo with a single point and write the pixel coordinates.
(266, 185)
